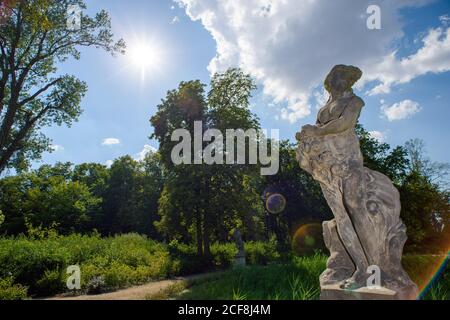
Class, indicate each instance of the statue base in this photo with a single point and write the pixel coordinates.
(334, 292)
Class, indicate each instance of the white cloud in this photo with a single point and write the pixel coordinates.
(445, 19)
(56, 147)
(289, 46)
(147, 148)
(321, 97)
(400, 110)
(109, 163)
(175, 20)
(110, 141)
(432, 57)
(378, 135)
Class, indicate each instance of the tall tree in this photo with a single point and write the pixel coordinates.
(47, 197)
(34, 38)
(436, 172)
(131, 195)
(378, 156)
(426, 200)
(204, 202)
(304, 200)
(179, 200)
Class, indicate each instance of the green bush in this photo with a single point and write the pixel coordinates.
(51, 283)
(186, 258)
(11, 291)
(223, 254)
(105, 263)
(27, 261)
(260, 253)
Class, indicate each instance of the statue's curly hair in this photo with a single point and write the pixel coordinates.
(350, 74)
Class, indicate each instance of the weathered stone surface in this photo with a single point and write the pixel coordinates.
(367, 229)
(334, 292)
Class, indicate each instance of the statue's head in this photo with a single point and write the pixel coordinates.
(342, 78)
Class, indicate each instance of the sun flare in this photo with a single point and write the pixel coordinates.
(145, 56)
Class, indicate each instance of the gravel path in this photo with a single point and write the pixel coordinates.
(137, 292)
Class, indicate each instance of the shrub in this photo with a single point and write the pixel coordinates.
(118, 261)
(28, 260)
(261, 253)
(186, 258)
(96, 285)
(223, 254)
(110, 263)
(51, 283)
(11, 291)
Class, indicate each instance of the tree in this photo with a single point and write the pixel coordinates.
(45, 198)
(179, 200)
(95, 176)
(436, 172)
(131, 196)
(426, 200)
(12, 197)
(64, 204)
(205, 202)
(304, 199)
(379, 156)
(119, 194)
(426, 213)
(85, 197)
(34, 38)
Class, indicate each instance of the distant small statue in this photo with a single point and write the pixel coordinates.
(239, 259)
(367, 232)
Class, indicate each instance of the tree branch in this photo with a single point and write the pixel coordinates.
(38, 92)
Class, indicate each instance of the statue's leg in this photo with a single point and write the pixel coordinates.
(349, 238)
(340, 266)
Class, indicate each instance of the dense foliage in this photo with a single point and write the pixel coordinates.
(34, 39)
(83, 198)
(203, 204)
(36, 265)
(140, 220)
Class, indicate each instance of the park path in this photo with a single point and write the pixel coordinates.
(137, 292)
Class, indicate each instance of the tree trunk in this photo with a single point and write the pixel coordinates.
(206, 240)
(199, 233)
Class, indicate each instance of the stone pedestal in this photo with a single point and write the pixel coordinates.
(334, 292)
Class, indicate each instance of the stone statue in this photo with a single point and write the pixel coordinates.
(239, 260)
(366, 229)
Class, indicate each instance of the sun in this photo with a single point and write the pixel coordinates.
(145, 56)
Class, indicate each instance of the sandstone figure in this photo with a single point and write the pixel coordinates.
(366, 229)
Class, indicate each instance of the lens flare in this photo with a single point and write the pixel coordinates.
(431, 273)
(308, 239)
(275, 203)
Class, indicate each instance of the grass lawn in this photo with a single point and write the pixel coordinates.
(297, 280)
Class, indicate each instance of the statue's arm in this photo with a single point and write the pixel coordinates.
(347, 120)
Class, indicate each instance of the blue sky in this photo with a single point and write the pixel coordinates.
(288, 53)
